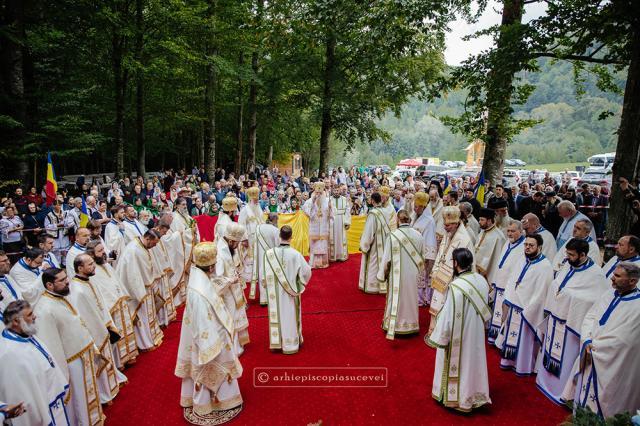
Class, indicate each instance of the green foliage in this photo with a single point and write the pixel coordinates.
(586, 417)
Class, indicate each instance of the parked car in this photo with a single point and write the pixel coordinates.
(509, 163)
(430, 170)
(510, 178)
(518, 162)
(600, 177)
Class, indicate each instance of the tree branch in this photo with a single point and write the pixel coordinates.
(582, 58)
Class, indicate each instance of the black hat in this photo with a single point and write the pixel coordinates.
(487, 213)
(499, 204)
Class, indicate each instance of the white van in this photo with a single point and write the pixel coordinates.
(602, 160)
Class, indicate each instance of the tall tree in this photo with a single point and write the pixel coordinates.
(210, 92)
(141, 166)
(239, 138)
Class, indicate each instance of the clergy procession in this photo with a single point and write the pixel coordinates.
(98, 289)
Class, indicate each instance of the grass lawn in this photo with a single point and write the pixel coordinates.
(558, 167)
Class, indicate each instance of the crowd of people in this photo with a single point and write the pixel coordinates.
(90, 280)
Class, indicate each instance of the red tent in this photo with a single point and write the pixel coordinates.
(409, 162)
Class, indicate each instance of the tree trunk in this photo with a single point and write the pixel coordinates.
(120, 87)
(253, 114)
(499, 99)
(239, 139)
(210, 100)
(140, 143)
(327, 100)
(627, 161)
(13, 70)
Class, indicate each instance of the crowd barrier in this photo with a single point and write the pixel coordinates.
(299, 223)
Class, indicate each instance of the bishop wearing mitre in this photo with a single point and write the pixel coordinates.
(339, 223)
(187, 228)
(207, 364)
(267, 237)
(319, 210)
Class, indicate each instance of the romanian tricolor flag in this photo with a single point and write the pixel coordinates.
(447, 185)
(84, 214)
(51, 187)
(478, 192)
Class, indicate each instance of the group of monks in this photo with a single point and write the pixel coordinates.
(548, 305)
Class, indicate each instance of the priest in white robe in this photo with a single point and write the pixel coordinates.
(187, 227)
(164, 300)
(233, 294)
(340, 222)
(137, 273)
(469, 221)
(571, 294)
(435, 207)
(531, 224)
(28, 371)
(89, 303)
(27, 269)
(116, 298)
(267, 237)
(386, 206)
(114, 234)
(372, 240)
(83, 236)
(287, 275)
(402, 267)
(46, 244)
(225, 218)
(319, 210)
(489, 246)
(425, 225)
(456, 236)
(63, 331)
(581, 231)
(627, 250)
(251, 217)
(207, 364)
(9, 290)
(461, 379)
(608, 371)
(567, 210)
(523, 309)
(133, 228)
(511, 254)
(173, 245)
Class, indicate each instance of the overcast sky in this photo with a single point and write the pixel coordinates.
(459, 50)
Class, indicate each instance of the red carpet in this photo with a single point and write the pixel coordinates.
(341, 327)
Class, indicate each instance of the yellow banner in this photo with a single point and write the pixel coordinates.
(299, 223)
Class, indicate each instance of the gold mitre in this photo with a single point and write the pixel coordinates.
(384, 190)
(229, 204)
(253, 193)
(318, 186)
(205, 253)
(420, 199)
(234, 232)
(451, 214)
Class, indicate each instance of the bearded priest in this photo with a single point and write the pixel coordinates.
(319, 210)
(207, 364)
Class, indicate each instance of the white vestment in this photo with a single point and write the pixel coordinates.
(611, 265)
(561, 256)
(287, 274)
(436, 212)
(461, 379)
(221, 225)
(51, 260)
(403, 267)
(486, 255)
(569, 298)
(442, 272)
(10, 292)
(609, 385)
(114, 240)
(524, 298)
(188, 230)
(174, 245)
(74, 251)
(340, 218)
(510, 255)
(319, 211)
(549, 248)
(137, 274)
(89, 304)
(70, 344)
(207, 364)
(426, 226)
(372, 240)
(29, 374)
(23, 275)
(165, 308)
(132, 230)
(233, 295)
(116, 299)
(267, 237)
(390, 214)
